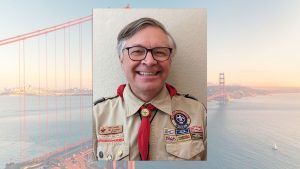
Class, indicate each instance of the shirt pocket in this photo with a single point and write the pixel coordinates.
(113, 151)
(186, 150)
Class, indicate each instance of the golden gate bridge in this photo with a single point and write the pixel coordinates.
(85, 154)
(48, 44)
(220, 95)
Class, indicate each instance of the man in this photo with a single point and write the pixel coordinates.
(148, 119)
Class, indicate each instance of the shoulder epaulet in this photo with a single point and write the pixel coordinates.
(188, 96)
(102, 99)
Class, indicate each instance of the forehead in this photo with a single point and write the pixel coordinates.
(149, 36)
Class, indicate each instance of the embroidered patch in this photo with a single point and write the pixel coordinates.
(183, 131)
(111, 141)
(180, 119)
(104, 130)
(196, 132)
(196, 129)
(184, 137)
(111, 129)
(116, 129)
(111, 138)
(168, 131)
(196, 136)
(170, 139)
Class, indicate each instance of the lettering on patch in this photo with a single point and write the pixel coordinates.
(111, 138)
(196, 129)
(116, 129)
(110, 129)
(170, 139)
(196, 136)
(168, 131)
(184, 137)
(183, 131)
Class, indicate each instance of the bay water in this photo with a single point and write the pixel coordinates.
(241, 133)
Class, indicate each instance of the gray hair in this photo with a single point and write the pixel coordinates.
(132, 28)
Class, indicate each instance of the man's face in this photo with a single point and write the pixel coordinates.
(147, 75)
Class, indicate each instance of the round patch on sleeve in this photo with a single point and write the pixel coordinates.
(180, 119)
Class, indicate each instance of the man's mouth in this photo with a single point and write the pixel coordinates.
(147, 73)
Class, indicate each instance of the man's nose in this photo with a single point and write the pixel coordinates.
(149, 59)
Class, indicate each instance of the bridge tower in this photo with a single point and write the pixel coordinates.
(222, 98)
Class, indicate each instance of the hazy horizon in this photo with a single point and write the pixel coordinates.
(255, 42)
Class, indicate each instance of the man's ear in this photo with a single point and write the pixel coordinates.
(171, 59)
(121, 59)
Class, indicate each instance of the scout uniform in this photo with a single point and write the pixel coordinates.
(178, 127)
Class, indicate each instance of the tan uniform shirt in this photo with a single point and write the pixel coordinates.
(116, 122)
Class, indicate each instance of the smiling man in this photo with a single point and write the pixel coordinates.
(148, 119)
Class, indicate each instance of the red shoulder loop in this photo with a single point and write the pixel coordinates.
(121, 90)
(172, 90)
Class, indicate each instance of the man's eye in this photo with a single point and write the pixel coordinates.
(137, 52)
(161, 53)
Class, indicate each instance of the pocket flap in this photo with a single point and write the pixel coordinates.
(185, 150)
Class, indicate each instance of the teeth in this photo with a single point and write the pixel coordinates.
(147, 73)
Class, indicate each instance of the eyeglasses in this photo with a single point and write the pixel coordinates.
(138, 53)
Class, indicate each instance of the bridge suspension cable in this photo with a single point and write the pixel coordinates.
(46, 30)
(27, 61)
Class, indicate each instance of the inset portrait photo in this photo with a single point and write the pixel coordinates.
(149, 84)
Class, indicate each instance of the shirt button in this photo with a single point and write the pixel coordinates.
(101, 154)
(109, 157)
(120, 153)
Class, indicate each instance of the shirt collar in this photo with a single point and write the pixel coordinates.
(162, 101)
(132, 103)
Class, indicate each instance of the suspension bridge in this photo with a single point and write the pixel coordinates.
(53, 64)
(220, 94)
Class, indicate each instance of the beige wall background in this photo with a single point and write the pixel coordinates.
(189, 67)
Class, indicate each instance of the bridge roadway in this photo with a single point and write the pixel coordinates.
(74, 155)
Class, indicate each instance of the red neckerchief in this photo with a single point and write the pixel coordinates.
(144, 130)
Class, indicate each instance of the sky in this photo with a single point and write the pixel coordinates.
(255, 43)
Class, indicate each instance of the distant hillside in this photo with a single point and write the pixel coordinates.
(29, 90)
(237, 92)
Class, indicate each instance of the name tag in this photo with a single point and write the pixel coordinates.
(110, 129)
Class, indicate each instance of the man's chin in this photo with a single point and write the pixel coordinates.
(149, 87)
